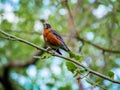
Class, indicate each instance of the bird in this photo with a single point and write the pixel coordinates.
(53, 39)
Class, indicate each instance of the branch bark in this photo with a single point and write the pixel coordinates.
(77, 36)
(97, 46)
(68, 59)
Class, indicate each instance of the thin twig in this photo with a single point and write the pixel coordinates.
(93, 82)
(8, 38)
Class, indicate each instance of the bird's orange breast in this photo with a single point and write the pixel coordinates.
(50, 38)
(45, 34)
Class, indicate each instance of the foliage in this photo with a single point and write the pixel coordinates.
(95, 20)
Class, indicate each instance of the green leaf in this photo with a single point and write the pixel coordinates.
(71, 67)
(78, 58)
(98, 80)
(72, 55)
(82, 70)
(44, 56)
(75, 56)
(50, 84)
(111, 74)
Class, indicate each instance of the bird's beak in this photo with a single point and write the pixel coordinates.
(44, 24)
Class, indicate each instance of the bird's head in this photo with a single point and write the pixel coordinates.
(47, 26)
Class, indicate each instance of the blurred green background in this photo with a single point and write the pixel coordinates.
(97, 21)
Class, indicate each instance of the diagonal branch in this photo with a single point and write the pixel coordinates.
(77, 36)
(68, 59)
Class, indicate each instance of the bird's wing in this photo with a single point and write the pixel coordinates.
(63, 45)
(57, 35)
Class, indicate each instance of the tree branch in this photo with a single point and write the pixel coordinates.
(68, 59)
(70, 14)
(75, 33)
(77, 36)
(97, 46)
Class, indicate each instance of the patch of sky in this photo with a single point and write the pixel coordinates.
(8, 13)
(13, 3)
(94, 25)
(22, 80)
(57, 61)
(31, 71)
(55, 69)
(8, 7)
(101, 11)
(74, 1)
(31, 4)
(1, 6)
(117, 61)
(100, 40)
(114, 86)
(113, 0)
(100, 63)
(38, 26)
(85, 84)
(63, 11)
(116, 72)
(89, 35)
(87, 61)
(46, 2)
(2, 44)
(44, 73)
(107, 83)
(43, 87)
(10, 16)
(3, 60)
(45, 13)
(91, 1)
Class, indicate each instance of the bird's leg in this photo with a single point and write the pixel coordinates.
(48, 49)
(58, 51)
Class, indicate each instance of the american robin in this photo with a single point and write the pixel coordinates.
(53, 39)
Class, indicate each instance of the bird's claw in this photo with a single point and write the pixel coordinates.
(48, 49)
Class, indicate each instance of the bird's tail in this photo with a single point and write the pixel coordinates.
(64, 47)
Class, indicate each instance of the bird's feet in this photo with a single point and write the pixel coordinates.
(48, 49)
